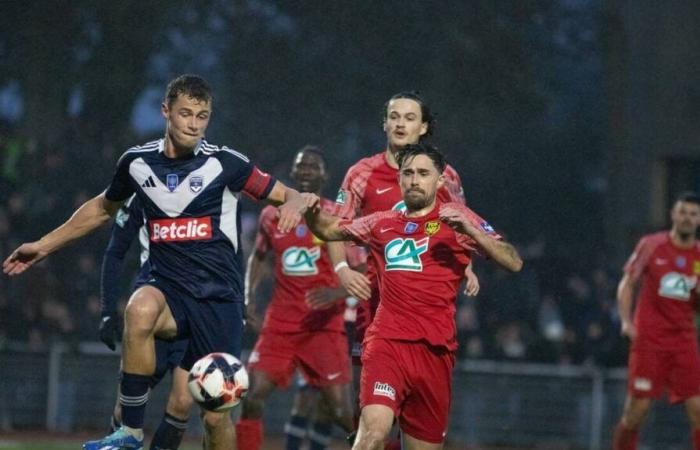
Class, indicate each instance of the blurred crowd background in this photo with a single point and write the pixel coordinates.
(540, 105)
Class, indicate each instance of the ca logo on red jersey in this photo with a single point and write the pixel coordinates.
(404, 254)
(677, 286)
(300, 261)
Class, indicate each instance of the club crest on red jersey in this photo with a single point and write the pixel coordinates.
(432, 227)
(696, 267)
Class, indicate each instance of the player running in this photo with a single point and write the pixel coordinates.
(421, 254)
(664, 353)
(129, 224)
(295, 335)
(190, 193)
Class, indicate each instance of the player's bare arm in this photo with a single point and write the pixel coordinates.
(292, 205)
(89, 216)
(254, 274)
(502, 252)
(356, 283)
(625, 302)
(324, 225)
(472, 286)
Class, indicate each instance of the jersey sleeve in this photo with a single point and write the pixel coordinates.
(121, 187)
(453, 186)
(360, 230)
(466, 241)
(243, 176)
(349, 200)
(637, 262)
(262, 236)
(127, 224)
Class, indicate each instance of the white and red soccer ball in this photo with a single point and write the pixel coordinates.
(218, 381)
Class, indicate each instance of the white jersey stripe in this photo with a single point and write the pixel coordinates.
(229, 211)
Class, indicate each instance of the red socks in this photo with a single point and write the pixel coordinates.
(625, 438)
(249, 434)
(696, 438)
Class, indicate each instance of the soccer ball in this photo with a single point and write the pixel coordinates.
(218, 381)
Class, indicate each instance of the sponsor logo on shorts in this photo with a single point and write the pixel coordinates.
(385, 390)
(333, 376)
(642, 384)
(185, 229)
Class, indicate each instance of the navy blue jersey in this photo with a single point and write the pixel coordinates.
(191, 206)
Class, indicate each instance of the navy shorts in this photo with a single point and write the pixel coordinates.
(207, 325)
(168, 356)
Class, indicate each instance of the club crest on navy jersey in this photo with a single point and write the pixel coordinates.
(196, 183)
(172, 180)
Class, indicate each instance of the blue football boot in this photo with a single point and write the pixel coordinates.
(119, 440)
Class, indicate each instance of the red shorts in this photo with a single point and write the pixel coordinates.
(322, 356)
(365, 315)
(651, 372)
(414, 380)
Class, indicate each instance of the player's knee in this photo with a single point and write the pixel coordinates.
(635, 412)
(370, 440)
(214, 421)
(141, 313)
(179, 405)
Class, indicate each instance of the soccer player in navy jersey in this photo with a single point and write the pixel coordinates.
(190, 194)
(421, 254)
(129, 224)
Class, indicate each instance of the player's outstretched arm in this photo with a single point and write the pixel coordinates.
(625, 299)
(323, 225)
(502, 252)
(89, 216)
(292, 205)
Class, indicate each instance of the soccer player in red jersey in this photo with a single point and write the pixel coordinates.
(420, 256)
(371, 185)
(664, 344)
(294, 335)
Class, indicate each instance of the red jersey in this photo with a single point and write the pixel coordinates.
(421, 264)
(665, 311)
(372, 185)
(301, 263)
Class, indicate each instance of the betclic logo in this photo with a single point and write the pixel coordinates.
(177, 230)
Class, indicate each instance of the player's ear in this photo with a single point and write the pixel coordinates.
(423, 128)
(441, 181)
(164, 110)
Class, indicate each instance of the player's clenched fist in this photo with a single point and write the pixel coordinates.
(23, 258)
(456, 219)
